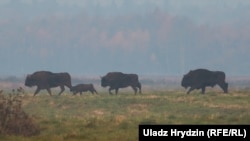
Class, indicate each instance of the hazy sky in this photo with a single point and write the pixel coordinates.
(93, 37)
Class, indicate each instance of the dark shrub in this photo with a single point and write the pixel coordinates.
(13, 120)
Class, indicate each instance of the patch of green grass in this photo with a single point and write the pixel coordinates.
(116, 117)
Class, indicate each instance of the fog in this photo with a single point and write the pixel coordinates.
(147, 37)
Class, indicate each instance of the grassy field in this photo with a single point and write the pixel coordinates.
(107, 117)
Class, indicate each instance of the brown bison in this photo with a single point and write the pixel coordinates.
(83, 88)
(202, 78)
(116, 80)
(47, 80)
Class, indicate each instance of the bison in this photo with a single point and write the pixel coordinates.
(202, 78)
(79, 88)
(47, 80)
(116, 80)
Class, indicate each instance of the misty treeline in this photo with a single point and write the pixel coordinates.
(169, 44)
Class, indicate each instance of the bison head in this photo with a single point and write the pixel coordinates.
(104, 81)
(185, 81)
(29, 81)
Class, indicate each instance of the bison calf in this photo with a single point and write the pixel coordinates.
(83, 88)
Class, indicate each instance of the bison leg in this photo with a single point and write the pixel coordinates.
(139, 86)
(62, 89)
(37, 91)
(75, 92)
(92, 90)
(110, 90)
(95, 91)
(224, 87)
(116, 90)
(135, 89)
(203, 89)
(192, 88)
(48, 90)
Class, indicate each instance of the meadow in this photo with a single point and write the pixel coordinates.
(105, 117)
